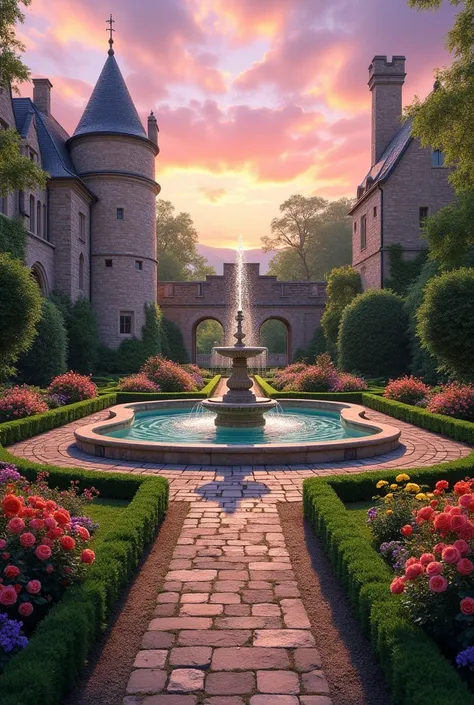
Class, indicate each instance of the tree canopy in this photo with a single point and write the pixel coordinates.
(315, 235)
(178, 259)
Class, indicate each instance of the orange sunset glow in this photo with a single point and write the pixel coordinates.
(255, 99)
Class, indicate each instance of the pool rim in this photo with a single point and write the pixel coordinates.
(90, 440)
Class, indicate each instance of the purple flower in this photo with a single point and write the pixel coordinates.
(86, 522)
(8, 473)
(465, 659)
(371, 515)
(10, 634)
(395, 552)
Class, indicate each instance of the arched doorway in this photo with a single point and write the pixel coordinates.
(275, 334)
(207, 333)
(39, 275)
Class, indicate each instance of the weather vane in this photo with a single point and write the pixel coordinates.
(110, 29)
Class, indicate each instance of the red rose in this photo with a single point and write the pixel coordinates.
(442, 485)
(397, 586)
(33, 587)
(457, 522)
(16, 525)
(11, 505)
(87, 556)
(462, 546)
(25, 609)
(451, 555)
(67, 542)
(462, 487)
(441, 522)
(8, 596)
(413, 571)
(43, 552)
(27, 539)
(83, 533)
(62, 516)
(11, 571)
(467, 605)
(434, 568)
(406, 530)
(465, 566)
(425, 513)
(426, 558)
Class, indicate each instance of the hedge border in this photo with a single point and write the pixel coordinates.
(272, 393)
(403, 649)
(21, 429)
(437, 423)
(46, 669)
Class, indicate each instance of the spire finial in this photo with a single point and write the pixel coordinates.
(110, 29)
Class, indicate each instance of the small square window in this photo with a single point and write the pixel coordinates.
(120, 214)
(375, 211)
(126, 323)
(423, 214)
(139, 264)
(108, 262)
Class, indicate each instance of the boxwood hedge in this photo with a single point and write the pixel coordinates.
(57, 651)
(416, 670)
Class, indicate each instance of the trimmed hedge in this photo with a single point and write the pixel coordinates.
(46, 669)
(272, 393)
(20, 429)
(403, 649)
(207, 391)
(457, 429)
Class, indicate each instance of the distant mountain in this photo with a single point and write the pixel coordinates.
(216, 256)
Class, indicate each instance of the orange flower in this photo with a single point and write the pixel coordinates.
(11, 505)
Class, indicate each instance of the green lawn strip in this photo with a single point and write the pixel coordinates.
(130, 509)
(403, 649)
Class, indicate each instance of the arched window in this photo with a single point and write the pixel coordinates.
(81, 272)
(38, 218)
(32, 214)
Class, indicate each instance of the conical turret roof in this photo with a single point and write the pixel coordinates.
(110, 108)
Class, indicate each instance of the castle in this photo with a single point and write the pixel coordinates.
(92, 231)
(405, 183)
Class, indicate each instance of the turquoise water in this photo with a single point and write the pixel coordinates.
(197, 426)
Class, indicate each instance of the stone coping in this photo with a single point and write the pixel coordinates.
(91, 440)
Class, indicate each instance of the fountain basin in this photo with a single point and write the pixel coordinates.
(364, 438)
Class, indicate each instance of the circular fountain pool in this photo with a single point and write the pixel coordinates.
(298, 432)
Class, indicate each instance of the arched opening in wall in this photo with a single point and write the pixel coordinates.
(39, 276)
(207, 333)
(275, 335)
(81, 272)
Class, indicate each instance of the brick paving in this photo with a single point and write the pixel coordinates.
(229, 626)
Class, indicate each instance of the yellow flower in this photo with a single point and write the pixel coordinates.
(381, 483)
(403, 477)
(389, 511)
(420, 496)
(388, 497)
(412, 487)
(394, 487)
(430, 495)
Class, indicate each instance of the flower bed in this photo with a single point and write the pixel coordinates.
(365, 574)
(44, 670)
(323, 376)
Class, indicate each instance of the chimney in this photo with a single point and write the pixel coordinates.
(386, 79)
(153, 128)
(42, 94)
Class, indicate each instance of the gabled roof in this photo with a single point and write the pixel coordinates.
(387, 162)
(110, 108)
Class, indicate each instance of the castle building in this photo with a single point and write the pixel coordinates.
(91, 232)
(405, 183)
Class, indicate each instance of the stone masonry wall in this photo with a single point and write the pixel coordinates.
(367, 261)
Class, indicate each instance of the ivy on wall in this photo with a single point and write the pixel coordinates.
(403, 271)
(12, 238)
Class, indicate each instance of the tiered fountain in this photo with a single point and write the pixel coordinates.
(239, 407)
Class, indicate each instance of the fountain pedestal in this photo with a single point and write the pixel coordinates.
(239, 407)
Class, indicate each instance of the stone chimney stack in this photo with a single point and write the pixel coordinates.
(153, 128)
(42, 94)
(386, 79)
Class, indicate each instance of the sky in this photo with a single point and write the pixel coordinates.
(255, 99)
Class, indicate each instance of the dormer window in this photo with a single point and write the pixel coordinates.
(437, 158)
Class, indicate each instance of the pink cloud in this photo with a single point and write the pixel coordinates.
(213, 195)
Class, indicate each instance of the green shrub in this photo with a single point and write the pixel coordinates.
(373, 335)
(20, 311)
(344, 284)
(422, 363)
(316, 347)
(403, 271)
(172, 342)
(446, 321)
(13, 238)
(82, 332)
(47, 356)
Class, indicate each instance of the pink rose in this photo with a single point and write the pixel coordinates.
(11, 571)
(465, 566)
(8, 596)
(3, 543)
(465, 500)
(47, 542)
(467, 605)
(413, 571)
(27, 539)
(50, 523)
(43, 552)
(439, 548)
(457, 522)
(37, 524)
(451, 555)
(434, 568)
(397, 586)
(50, 568)
(438, 583)
(441, 522)
(25, 609)
(410, 561)
(426, 558)
(462, 546)
(33, 587)
(16, 525)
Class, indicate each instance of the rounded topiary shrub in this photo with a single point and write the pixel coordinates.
(47, 356)
(373, 335)
(168, 375)
(73, 386)
(446, 321)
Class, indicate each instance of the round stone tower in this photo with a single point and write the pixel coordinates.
(115, 158)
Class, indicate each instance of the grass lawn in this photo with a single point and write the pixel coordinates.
(106, 512)
(358, 512)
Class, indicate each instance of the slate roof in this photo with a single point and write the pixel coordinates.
(110, 108)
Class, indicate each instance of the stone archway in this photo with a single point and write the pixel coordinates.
(204, 359)
(277, 358)
(39, 275)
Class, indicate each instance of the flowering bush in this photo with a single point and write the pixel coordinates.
(320, 377)
(349, 383)
(42, 548)
(454, 400)
(11, 639)
(169, 375)
(21, 401)
(138, 383)
(393, 509)
(284, 379)
(54, 401)
(73, 386)
(408, 390)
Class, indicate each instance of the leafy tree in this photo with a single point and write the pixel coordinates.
(13, 238)
(273, 335)
(446, 321)
(16, 171)
(172, 342)
(443, 120)
(20, 311)
(208, 334)
(373, 335)
(450, 231)
(82, 332)
(177, 238)
(344, 284)
(47, 357)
